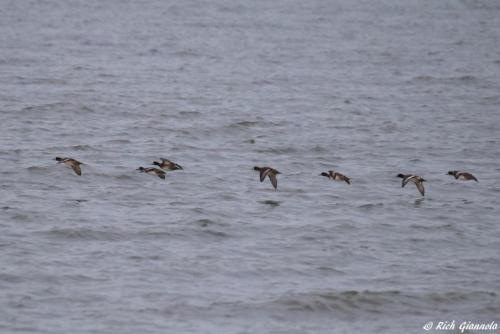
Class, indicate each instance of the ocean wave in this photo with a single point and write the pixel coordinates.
(5, 277)
(218, 234)
(244, 124)
(85, 108)
(205, 222)
(211, 227)
(121, 176)
(439, 227)
(319, 149)
(156, 234)
(41, 81)
(277, 150)
(83, 234)
(37, 169)
(353, 302)
(21, 217)
(270, 203)
(44, 107)
(449, 80)
(118, 141)
(369, 206)
(82, 147)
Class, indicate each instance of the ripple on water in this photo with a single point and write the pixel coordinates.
(83, 234)
(21, 217)
(206, 222)
(435, 227)
(82, 147)
(319, 149)
(378, 302)
(139, 258)
(464, 79)
(5, 277)
(118, 141)
(244, 124)
(211, 227)
(58, 106)
(271, 203)
(370, 206)
(38, 169)
(276, 150)
(122, 177)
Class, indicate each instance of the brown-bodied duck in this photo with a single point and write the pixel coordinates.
(270, 172)
(336, 176)
(167, 164)
(417, 180)
(152, 171)
(70, 162)
(462, 175)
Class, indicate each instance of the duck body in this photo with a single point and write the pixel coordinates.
(152, 171)
(464, 176)
(269, 172)
(72, 163)
(335, 176)
(167, 164)
(415, 179)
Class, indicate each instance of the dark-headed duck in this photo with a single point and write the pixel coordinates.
(268, 171)
(333, 175)
(462, 175)
(153, 171)
(74, 164)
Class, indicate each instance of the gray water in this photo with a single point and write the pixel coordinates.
(371, 89)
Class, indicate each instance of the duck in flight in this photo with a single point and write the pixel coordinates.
(417, 180)
(335, 176)
(462, 175)
(167, 164)
(74, 164)
(270, 172)
(152, 171)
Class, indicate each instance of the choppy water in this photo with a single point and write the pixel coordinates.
(369, 88)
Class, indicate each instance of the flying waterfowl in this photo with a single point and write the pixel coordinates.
(270, 172)
(417, 180)
(152, 171)
(74, 164)
(167, 164)
(333, 175)
(462, 175)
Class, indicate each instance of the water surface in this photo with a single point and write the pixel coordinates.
(369, 89)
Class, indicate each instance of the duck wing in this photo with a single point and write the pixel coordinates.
(274, 180)
(470, 176)
(76, 168)
(264, 171)
(407, 179)
(177, 166)
(420, 187)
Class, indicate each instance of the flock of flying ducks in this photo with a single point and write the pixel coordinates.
(271, 173)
